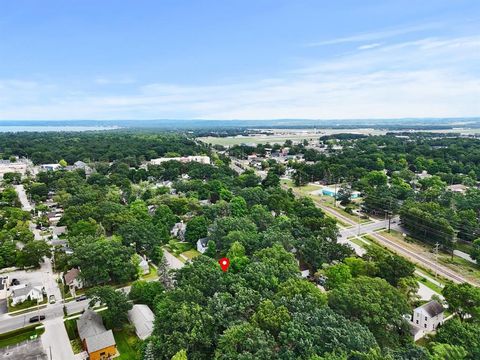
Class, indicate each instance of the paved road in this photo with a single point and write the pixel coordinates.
(22, 195)
(14, 322)
(55, 340)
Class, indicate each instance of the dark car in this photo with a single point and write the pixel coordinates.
(37, 318)
(14, 282)
(81, 298)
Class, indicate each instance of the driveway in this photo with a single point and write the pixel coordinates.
(55, 340)
(22, 196)
(172, 261)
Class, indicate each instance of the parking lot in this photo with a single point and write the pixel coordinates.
(28, 350)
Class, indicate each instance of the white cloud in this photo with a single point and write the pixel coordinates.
(422, 78)
(368, 46)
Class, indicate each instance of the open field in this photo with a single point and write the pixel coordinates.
(17, 336)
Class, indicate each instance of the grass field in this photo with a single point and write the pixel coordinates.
(127, 344)
(18, 336)
(191, 254)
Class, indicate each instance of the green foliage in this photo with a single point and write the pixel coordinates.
(376, 304)
(337, 275)
(197, 228)
(143, 292)
(117, 304)
(463, 299)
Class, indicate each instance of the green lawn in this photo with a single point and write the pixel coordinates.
(127, 344)
(151, 275)
(17, 336)
(429, 284)
(27, 304)
(191, 254)
(176, 247)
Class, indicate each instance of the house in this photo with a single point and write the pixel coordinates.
(97, 341)
(24, 292)
(141, 317)
(202, 245)
(304, 270)
(143, 265)
(73, 280)
(428, 317)
(82, 166)
(179, 230)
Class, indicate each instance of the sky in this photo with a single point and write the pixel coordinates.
(239, 59)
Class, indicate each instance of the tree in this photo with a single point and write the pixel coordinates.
(344, 195)
(448, 352)
(337, 275)
(62, 163)
(463, 299)
(211, 249)
(33, 253)
(143, 234)
(245, 341)
(197, 228)
(163, 270)
(475, 254)
(374, 303)
(271, 180)
(103, 260)
(181, 355)
(238, 206)
(271, 318)
(145, 292)
(461, 333)
(117, 304)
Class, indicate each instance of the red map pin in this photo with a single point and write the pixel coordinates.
(224, 263)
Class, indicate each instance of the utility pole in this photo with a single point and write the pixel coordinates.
(436, 256)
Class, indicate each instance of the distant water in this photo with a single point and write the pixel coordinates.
(32, 128)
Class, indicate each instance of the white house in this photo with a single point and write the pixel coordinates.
(141, 317)
(50, 167)
(427, 318)
(202, 245)
(143, 265)
(21, 293)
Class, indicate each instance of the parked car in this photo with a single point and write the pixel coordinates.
(51, 299)
(37, 318)
(14, 282)
(81, 298)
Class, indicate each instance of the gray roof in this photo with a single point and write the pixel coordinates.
(433, 308)
(90, 324)
(203, 241)
(100, 341)
(24, 291)
(142, 318)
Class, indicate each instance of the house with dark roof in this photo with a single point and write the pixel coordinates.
(427, 318)
(73, 280)
(202, 245)
(97, 341)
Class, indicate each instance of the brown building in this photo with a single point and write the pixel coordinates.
(97, 341)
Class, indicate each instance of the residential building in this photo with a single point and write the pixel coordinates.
(141, 317)
(143, 265)
(24, 292)
(50, 167)
(97, 341)
(202, 245)
(429, 315)
(73, 280)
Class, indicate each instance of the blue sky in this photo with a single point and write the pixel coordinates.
(239, 59)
